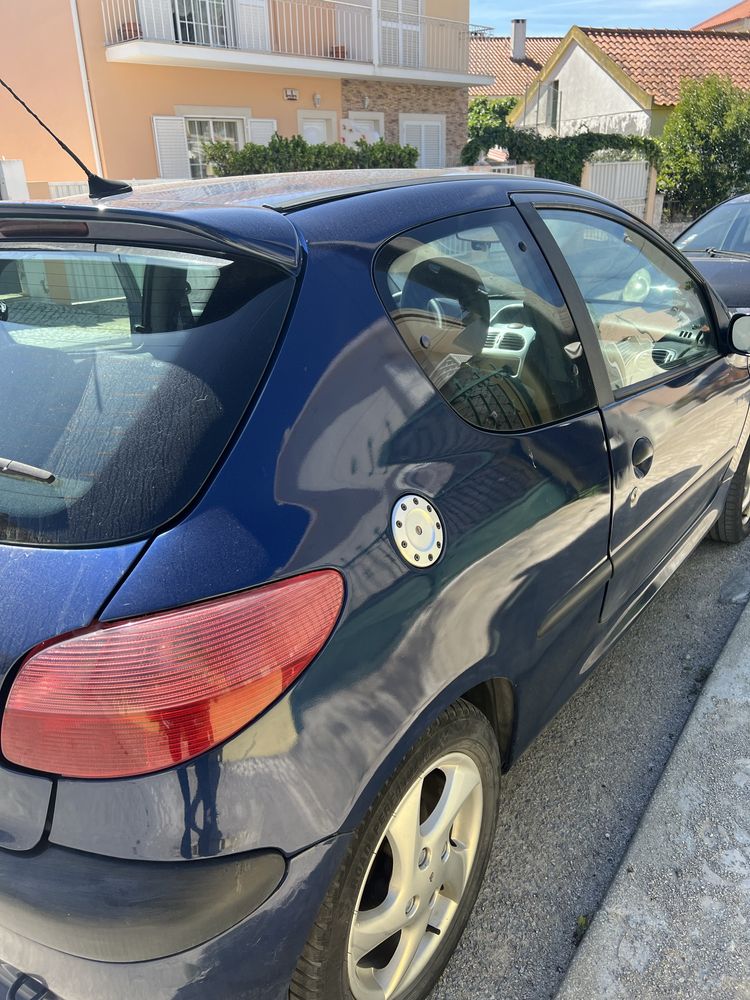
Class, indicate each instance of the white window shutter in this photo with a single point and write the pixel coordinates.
(170, 139)
(389, 44)
(428, 138)
(432, 145)
(411, 135)
(262, 130)
(411, 39)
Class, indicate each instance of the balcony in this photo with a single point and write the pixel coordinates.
(320, 37)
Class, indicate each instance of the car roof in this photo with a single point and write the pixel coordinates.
(253, 213)
(286, 192)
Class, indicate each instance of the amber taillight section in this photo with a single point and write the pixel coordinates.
(153, 692)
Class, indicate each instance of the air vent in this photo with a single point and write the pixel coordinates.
(491, 341)
(663, 357)
(512, 341)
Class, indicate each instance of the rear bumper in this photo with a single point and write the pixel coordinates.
(112, 910)
(253, 960)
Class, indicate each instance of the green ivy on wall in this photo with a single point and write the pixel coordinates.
(559, 158)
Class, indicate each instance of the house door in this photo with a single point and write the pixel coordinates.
(315, 130)
(157, 21)
(401, 32)
(252, 25)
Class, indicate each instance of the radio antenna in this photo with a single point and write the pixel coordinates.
(99, 187)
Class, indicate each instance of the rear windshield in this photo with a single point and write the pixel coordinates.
(726, 227)
(123, 373)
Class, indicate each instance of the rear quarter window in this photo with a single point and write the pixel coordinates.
(481, 313)
(123, 373)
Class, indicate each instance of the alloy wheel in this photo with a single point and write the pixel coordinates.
(746, 498)
(415, 879)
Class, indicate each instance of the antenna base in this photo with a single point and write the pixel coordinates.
(99, 187)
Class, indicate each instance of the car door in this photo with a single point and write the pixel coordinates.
(673, 405)
(515, 411)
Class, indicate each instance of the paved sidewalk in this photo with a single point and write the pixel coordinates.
(675, 924)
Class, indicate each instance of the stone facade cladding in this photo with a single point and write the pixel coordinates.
(394, 99)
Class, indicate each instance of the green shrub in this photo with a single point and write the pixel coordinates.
(706, 146)
(487, 113)
(559, 158)
(296, 154)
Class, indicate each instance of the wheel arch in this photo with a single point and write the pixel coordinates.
(494, 697)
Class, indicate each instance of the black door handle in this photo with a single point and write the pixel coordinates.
(642, 456)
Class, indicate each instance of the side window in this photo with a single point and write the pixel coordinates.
(648, 312)
(478, 308)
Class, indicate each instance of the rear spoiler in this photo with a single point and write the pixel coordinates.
(255, 232)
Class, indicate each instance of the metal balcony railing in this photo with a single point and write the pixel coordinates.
(329, 29)
(419, 42)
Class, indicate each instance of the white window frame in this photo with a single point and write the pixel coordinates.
(331, 119)
(204, 111)
(405, 118)
(553, 106)
(241, 131)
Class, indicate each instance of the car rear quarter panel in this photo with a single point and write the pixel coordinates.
(45, 592)
(346, 423)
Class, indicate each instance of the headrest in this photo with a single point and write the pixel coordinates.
(444, 278)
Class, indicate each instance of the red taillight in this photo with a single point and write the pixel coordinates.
(147, 694)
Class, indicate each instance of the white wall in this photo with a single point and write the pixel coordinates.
(589, 99)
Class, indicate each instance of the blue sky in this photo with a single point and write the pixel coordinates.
(554, 17)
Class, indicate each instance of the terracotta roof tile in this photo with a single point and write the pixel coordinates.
(490, 56)
(736, 13)
(657, 60)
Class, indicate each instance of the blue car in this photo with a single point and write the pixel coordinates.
(318, 499)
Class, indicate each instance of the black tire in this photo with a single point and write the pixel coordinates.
(734, 522)
(322, 971)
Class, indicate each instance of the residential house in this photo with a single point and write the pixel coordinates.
(514, 61)
(136, 87)
(625, 80)
(735, 18)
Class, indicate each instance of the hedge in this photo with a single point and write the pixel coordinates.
(559, 158)
(283, 155)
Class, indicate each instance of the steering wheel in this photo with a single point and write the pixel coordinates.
(511, 314)
(444, 310)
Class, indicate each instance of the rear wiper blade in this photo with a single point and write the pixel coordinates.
(10, 467)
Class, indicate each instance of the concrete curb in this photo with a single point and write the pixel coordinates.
(675, 923)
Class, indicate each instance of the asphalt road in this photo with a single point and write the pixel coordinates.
(572, 802)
